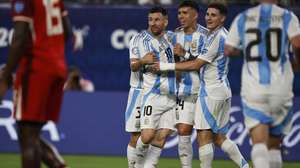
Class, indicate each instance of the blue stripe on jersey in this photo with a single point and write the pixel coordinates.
(211, 120)
(202, 82)
(156, 87)
(256, 114)
(201, 44)
(278, 129)
(264, 24)
(171, 82)
(130, 109)
(221, 62)
(284, 40)
(187, 79)
(241, 27)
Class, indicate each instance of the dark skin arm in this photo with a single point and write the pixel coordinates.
(68, 32)
(296, 48)
(16, 49)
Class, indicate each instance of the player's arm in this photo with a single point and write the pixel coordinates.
(294, 37)
(295, 42)
(136, 64)
(233, 40)
(17, 48)
(75, 36)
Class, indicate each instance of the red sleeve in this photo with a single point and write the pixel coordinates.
(64, 12)
(22, 10)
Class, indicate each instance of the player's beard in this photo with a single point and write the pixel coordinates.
(155, 30)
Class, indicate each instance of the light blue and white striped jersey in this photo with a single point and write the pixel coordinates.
(213, 75)
(193, 43)
(165, 82)
(136, 78)
(263, 33)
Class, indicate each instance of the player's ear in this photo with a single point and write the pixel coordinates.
(166, 21)
(223, 18)
(195, 16)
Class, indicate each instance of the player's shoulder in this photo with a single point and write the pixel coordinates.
(202, 29)
(145, 36)
(135, 39)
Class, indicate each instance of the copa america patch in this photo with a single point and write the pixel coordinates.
(19, 7)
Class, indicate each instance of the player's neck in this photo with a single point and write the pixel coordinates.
(191, 29)
(157, 36)
(215, 29)
(270, 1)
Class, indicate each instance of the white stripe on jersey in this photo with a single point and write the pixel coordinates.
(263, 33)
(213, 75)
(189, 83)
(136, 78)
(163, 83)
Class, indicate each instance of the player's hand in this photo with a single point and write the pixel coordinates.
(179, 50)
(5, 84)
(154, 68)
(149, 58)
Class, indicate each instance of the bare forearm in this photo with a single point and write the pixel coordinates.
(188, 66)
(135, 65)
(68, 32)
(17, 47)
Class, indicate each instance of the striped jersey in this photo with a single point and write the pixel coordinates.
(263, 34)
(213, 75)
(136, 78)
(193, 43)
(162, 83)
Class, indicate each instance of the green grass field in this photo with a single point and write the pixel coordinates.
(13, 161)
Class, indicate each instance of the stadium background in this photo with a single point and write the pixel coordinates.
(93, 123)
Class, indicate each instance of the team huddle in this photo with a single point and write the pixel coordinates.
(179, 82)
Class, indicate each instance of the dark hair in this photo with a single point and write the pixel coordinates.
(191, 4)
(220, 6)
(159, 9)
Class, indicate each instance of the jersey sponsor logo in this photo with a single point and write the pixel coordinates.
(19, 7)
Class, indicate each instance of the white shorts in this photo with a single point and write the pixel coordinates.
(185, 109)
(212, 114)
(133, 114)
(272, 110)
(158, 111)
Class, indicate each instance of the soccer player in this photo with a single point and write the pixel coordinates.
(133, 110)
(159, 99)
(41, 28)
(263, 34)
(189, 40)
(214, 100)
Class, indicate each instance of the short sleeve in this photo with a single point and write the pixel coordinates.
(22, 10)
(294, 27)
(210, 50)
(134, 51)
(233, 38)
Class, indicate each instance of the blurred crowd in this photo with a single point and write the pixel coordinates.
(167, 2)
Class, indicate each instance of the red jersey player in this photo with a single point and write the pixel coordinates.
(41, 28)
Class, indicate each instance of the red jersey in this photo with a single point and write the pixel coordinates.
(45, 51)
